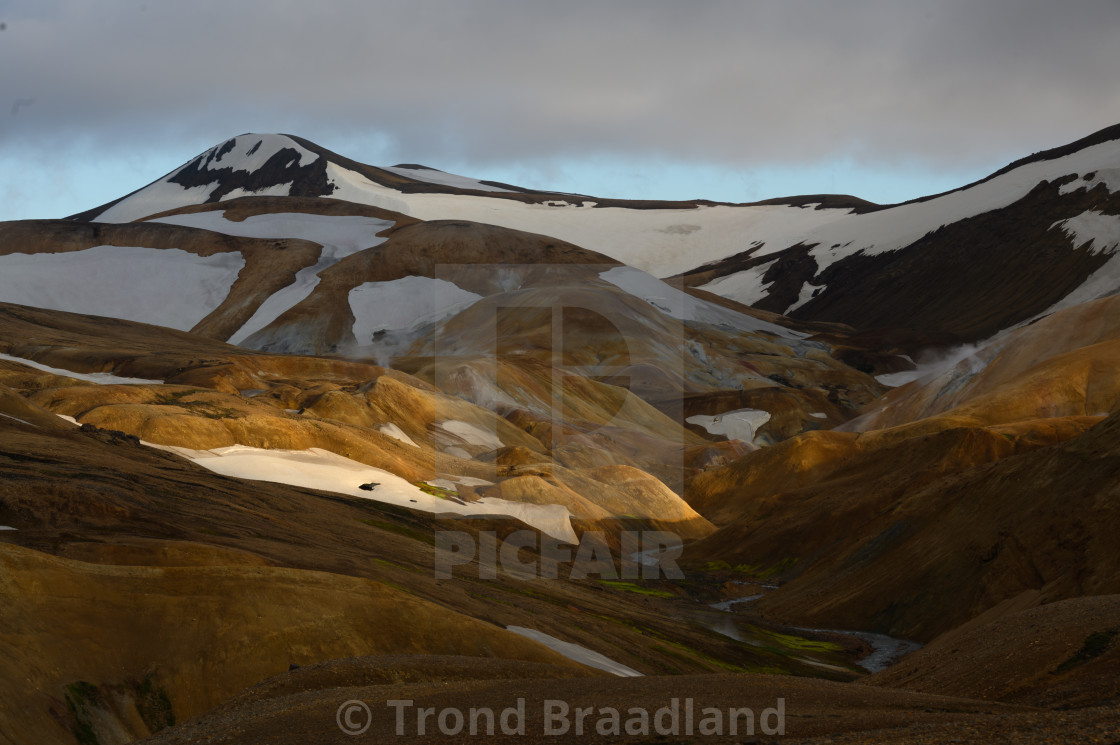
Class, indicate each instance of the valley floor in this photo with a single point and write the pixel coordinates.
(283, 711)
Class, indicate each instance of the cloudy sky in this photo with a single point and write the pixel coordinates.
(734, 101)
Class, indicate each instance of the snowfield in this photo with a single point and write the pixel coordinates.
(161, 286)
(158, 197)
(667, 242)
(662, 242)
(670, 241)
(405, 304)
(340, 236)
(327, 471)
(346, 233)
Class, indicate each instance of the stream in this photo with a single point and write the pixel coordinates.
(885, 650)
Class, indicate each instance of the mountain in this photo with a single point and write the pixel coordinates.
(1031, 238)
(241, 407)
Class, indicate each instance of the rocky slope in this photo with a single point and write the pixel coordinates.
(141, 589)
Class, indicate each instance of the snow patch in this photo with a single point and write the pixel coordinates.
(340, 236)
(17, 419)
(347, 234)
(962, 361)
(471, 434)
(808, 292)
(651, 240)
(1110, 177)
(392, 430)
(354, 187)
(154, 198)
(305, 281)
(405, 304)
(897, 379)
(577, 653)
(101, 378)
(746, 287)
(1104, 282)
(1100, 231)
(458, 452)
(276, 190)
(6, 527)
(327, 471)
(684, 307)
(161, 286)
(740, 424)
(468, 481)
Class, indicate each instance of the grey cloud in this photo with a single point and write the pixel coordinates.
(492, 81)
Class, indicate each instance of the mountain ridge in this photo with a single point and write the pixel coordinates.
(823, 258)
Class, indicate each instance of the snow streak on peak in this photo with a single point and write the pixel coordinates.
(233, 169)
(434, 176)
(249, 152)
